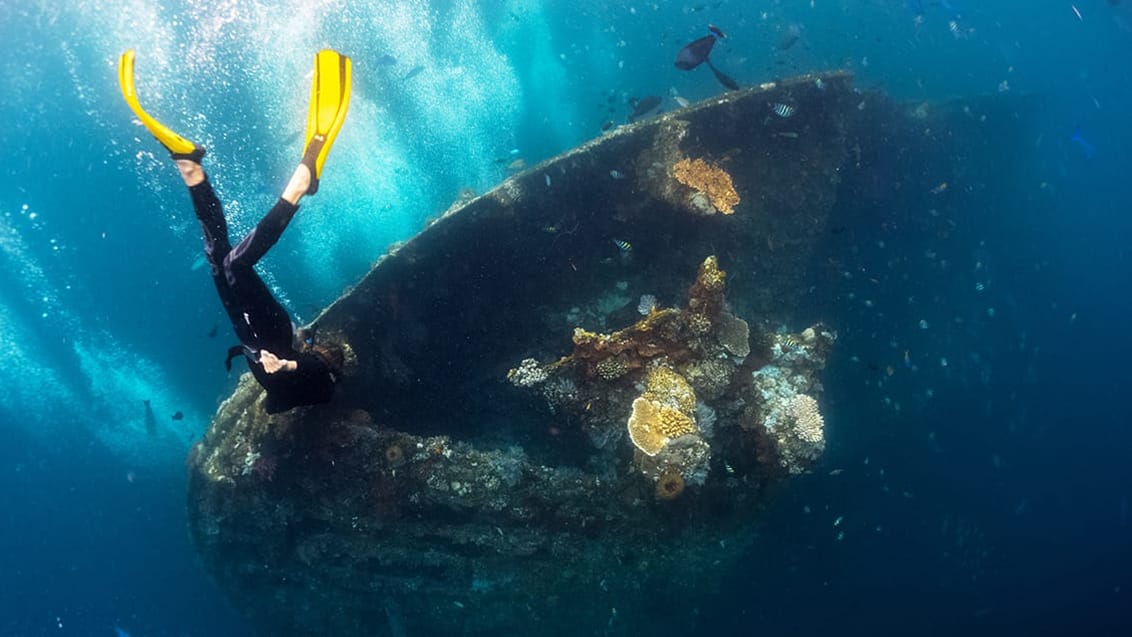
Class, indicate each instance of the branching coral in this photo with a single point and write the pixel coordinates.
(809, 426)
(712, 181)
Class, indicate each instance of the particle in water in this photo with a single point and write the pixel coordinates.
(923, 324)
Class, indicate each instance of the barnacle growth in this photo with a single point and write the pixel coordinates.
(712, 181)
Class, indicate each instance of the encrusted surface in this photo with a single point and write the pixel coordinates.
(434, 497)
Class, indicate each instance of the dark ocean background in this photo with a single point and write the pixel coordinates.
(982, 486)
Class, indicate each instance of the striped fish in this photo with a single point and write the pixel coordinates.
(782, 110)
(623, 245)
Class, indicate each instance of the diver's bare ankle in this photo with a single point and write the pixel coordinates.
(298, 186)
(191, 171)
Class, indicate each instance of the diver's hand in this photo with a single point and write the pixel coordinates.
(272, 363)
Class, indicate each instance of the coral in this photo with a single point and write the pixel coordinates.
(706, 294)
(527, 374)
(712, 181)
(611, 368)
(666, 387)
(670, 485)
(698, 324)
(808, 422)
(709, 377)
(734, 335)
(394, 454)
(657, 335)
(647, 304)
(652, 425)
(688, 456)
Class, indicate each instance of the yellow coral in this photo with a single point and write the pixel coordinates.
(652, 425)
(711, 180)
(668, 388)
(710, 277)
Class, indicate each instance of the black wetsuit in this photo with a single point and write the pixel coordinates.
(260, 321)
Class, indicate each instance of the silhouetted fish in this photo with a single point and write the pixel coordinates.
(150, 419)
(695, 53)
(178, 416)
(386, 60)
(413, 72)
(790, 38)
(698, 52)
(723, 79)
(643, 106)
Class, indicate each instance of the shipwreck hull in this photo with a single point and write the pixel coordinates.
(435, 497)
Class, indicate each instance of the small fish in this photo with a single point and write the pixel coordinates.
(1077, 12)
(607, 125)
(907, 359)
(178, 416)
(1085, 146)
(616, 174)
(413, 72)
(681, 101)
(839, 520)
(622, 245)
(941, 188)
(518, 164)
(547, 179)
(819, 84)
(836, 472)
(386, 60)
(782, 110)
(790, 38)
(642, 106)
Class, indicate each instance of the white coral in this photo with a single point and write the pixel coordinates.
(528, 374)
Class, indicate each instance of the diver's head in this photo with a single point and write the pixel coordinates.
(332, 355)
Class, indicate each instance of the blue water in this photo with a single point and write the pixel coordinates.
(984, 485)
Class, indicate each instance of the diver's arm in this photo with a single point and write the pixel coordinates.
(272, 363)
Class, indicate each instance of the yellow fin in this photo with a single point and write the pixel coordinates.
(177, 145)
(330, 99)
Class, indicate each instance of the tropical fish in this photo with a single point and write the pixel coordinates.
(782, 110)
(643, 106)
(622, 245)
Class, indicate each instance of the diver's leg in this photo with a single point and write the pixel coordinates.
(209, 213)
(264, 235)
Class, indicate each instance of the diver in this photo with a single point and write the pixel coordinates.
(293, 369)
